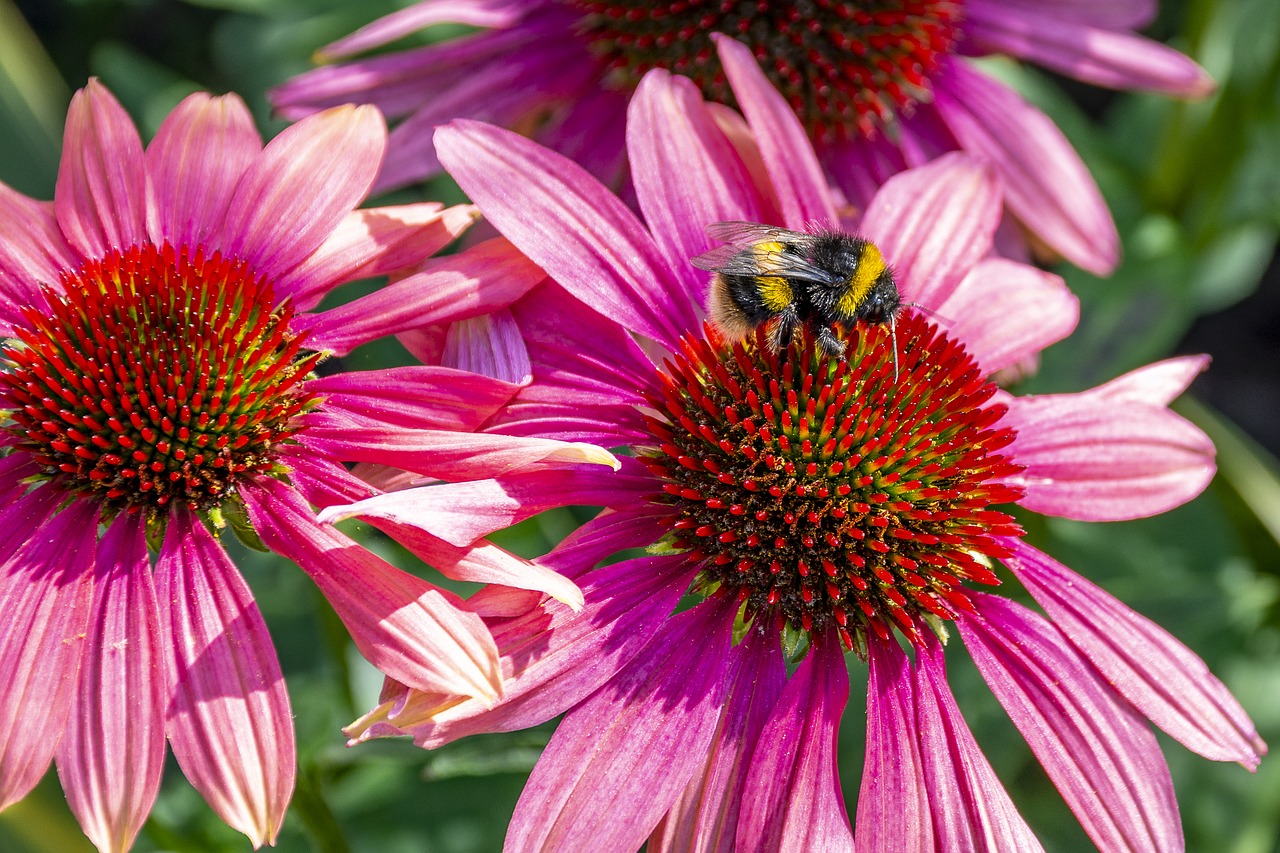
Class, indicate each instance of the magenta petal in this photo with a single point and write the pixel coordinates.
(488, 345)
(893, 802)
(229, 718)
(582, 235)
(1113, 14)
(484, 278)
(417, 397)
(707, 815)
(619, 760)
(933, 223)
(803, 194)
(112, 754)
(476, 13)
(101, 195)
(1045, 183)
(415, 633)
(1163, 679)
(792, 798)
(300, 187)
(670, 132)
(197, 158)
(46, 595)
(971, 809)
(1097, 751)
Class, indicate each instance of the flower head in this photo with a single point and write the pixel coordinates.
(811, 507)
(159, 383)
(879, 85)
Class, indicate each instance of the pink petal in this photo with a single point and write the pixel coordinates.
(374, 242)
(934, 223)
(893, 802)
(1114, 14)
(415, 397)
(792, 798)
(33, 251)
(1098, 752)
(412, 631)
(101, 195)
(112, 754)
(1163, 679)
(593, 133)
(229, 718)
(1157, 384)
(670, 132)
(1089, 458)
(489, 345)
(195, 162)
(46, 595)
(1006, 311)
(297, 192)
(582, 235)
(1045, 183)
(484, 278)
(1087, 51)
(803, 194)
(971, 809)
(475, 13)
(619, 760)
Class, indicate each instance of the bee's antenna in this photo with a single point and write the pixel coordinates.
(934, 314)
(893, 339)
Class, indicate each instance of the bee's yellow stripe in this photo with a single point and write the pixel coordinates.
(774, 290)
(870, 265)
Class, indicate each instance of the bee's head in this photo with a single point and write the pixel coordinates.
(882, 301)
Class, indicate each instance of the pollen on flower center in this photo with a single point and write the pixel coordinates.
(840, 63)
(155, 375)
(824, 491)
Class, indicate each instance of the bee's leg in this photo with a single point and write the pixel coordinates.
(831, 344)
(780, 334)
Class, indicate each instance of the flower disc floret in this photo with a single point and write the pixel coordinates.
(840, 63)
(827, 491)
(156, 375)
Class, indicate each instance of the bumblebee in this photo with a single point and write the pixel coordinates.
(816, 280)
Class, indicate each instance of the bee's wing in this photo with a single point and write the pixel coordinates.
(745, 233)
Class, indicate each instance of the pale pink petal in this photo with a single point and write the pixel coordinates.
(229, 717)
(489, 345)
(486, 277)
(1163, 679)
(418, 397)
(934, 223)
(1006, 311)
(112, 754)
(670, 132)
(619, 760)
(740, 136)
(1087, 51)
(475, 13)
(893, 802)
(1157, 384)
(1096, 750)
(302, 185)
(971, 809)
(792, 798)
(33, 251)
(46, 595)
(801, 188)
(195, 162)
(374, 242)
(412, 631)
(1045, 183)
(101, 194)
(1098, 459)
(582, 235)
(706, 816)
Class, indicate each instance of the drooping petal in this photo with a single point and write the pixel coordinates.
(112, 753)
(412, 631)
(619, 760)
(1046, 185)
(101, 195)
(1097, 750)
(195, 162)
(46, 595)
(792, 798)
(794, 171)
(301, 187)
(1163, 679)
(418, 397)
(893, 802)
(489, 345)
(583, 236)
(934, 223)
(971, 809)
(228, 718)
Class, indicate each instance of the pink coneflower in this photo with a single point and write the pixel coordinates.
(158, 385)
(811, 507)
(880, 85)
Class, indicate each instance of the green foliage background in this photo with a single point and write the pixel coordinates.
(1195, 189)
